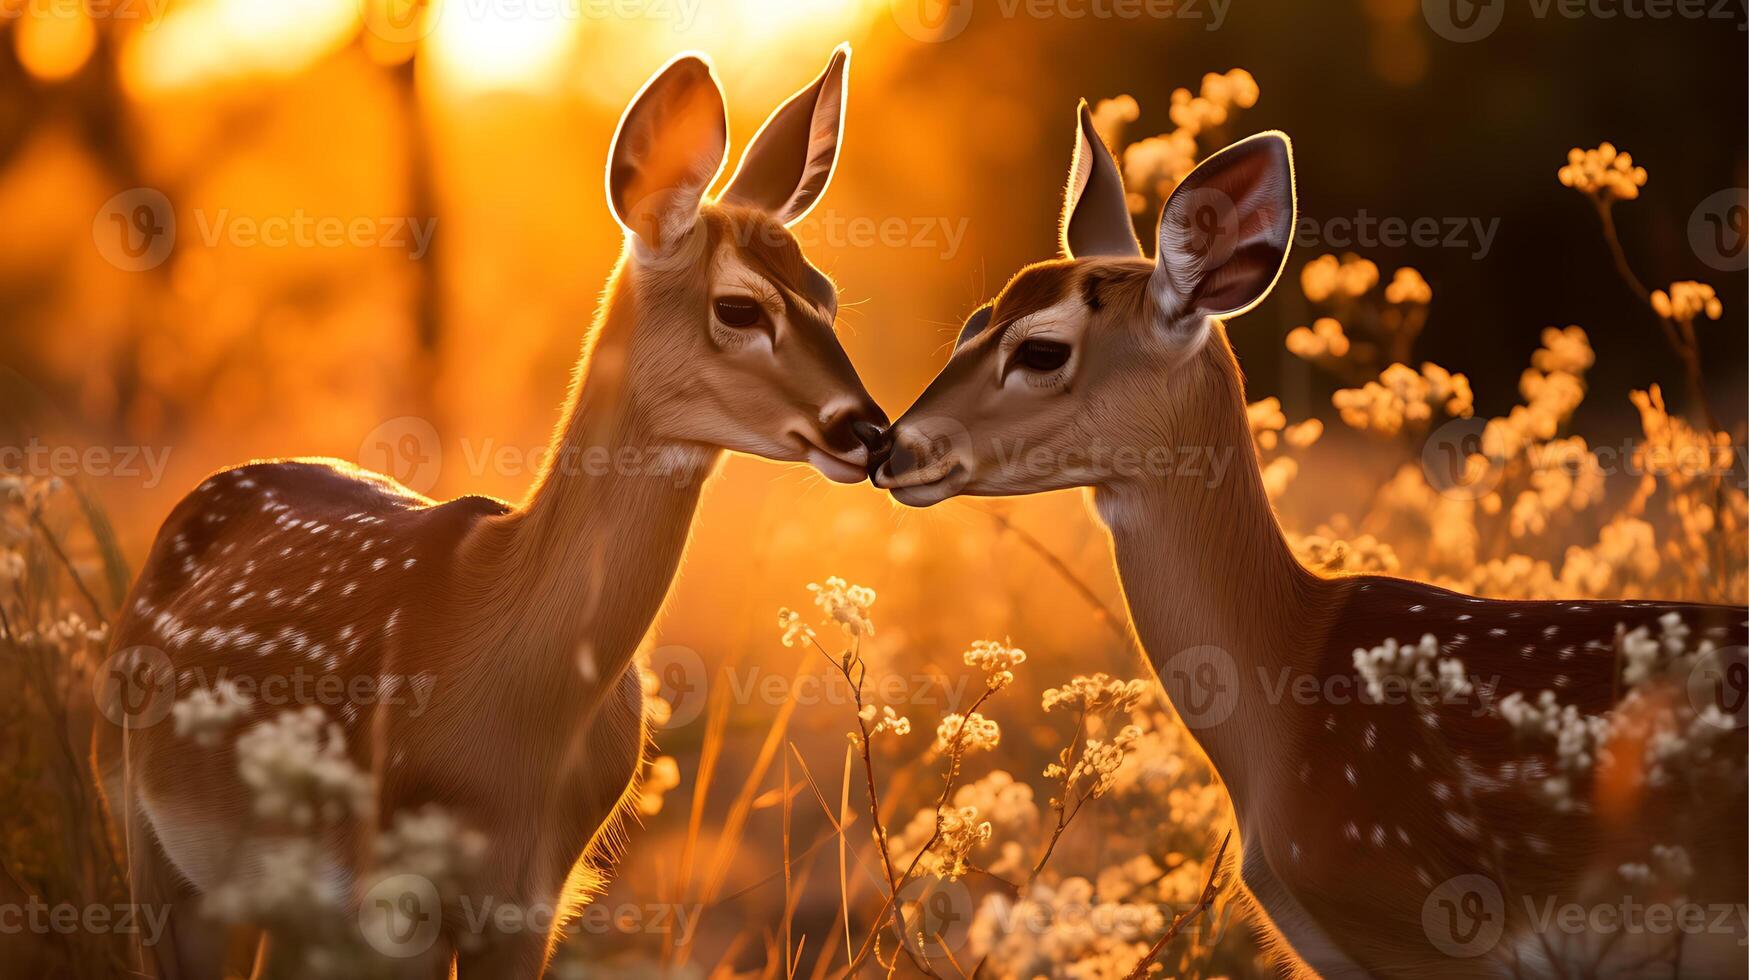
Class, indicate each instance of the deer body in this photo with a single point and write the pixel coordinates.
(1345, 807)
(476, 655)
(1362, 821)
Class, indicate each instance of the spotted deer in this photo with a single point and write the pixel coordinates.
(715, 334)
(1361, 820)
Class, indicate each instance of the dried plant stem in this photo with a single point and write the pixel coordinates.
(1209, 891)
(895, 880)
(1680, 335)
(48, 537)
(1102, 612)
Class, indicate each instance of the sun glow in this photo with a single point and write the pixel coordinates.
(505, 44)
(224, 40)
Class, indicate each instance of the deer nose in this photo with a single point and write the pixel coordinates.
(856, 426)
(876, 439)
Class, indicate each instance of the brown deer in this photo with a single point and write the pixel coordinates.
(714, 334)
(1368, 828)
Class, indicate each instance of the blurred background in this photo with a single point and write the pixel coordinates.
(375, 230)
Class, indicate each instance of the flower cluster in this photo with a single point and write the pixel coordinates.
(882, 719)
(208, 713)
(1152, 167)
(1324, 338)
(794, 630)
(997, 659)
(1687, 300)
(967, 732)
(1096, 693)
(1327, 277)
(1401, 396)
(1603, 173)
(1095, 770)
(1391, 670)
(298, 772)
(1407, 286)
(843, 603)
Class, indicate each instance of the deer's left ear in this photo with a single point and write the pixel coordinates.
(790, 160)
(1224, 233)
(1096, 217)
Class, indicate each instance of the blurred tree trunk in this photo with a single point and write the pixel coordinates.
(422, 205)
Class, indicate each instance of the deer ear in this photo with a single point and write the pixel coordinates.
(975, 324)
(1096, 217)
(791, 159)
(669, 148)
(1224, 233)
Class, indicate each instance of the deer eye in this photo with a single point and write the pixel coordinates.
(738, 311)
(1042, 356)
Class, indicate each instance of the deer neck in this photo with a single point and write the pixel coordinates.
(1205, 567)
(572, 579)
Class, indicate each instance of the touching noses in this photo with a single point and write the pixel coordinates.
(857, 428)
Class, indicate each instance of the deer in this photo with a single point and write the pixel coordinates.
(1364, 825)
(714, 335)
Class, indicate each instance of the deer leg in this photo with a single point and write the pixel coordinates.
(188, 945)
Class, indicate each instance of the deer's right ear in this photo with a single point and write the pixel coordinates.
(669, 148)
(976, 324)
(1224, 233)
(1096, 217)
(791, 159)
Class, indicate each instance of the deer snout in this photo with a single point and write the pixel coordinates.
(850, 437)
(926, 462)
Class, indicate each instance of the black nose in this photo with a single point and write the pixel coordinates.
(877, 439)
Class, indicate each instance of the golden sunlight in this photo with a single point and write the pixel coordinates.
(218, 40)
(503, 44)
(54, 41)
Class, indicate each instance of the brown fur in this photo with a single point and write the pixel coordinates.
(525, 616)
(1351, 814)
